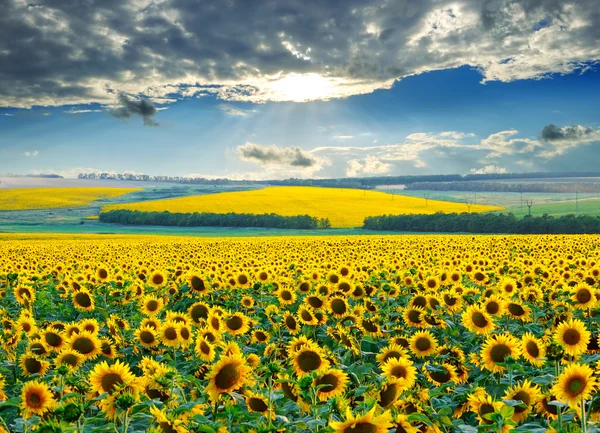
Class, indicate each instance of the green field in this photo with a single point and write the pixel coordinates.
(555, 204)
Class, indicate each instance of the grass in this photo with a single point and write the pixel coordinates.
(345, 208)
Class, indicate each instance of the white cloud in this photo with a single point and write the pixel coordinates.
(33, 153)
(8, 114)
(234, 111)
(82, 111)
(488, 169)
(370, 166)
(296, 51)
(277, 162)
(343, 137)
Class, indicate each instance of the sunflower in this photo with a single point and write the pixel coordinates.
(291, 323)
(151, 305)
(157, 279)
(286, 296)
(169, 334)
(167, 424)
(204, 349)
(198, 312)
(482, 404)
(547, 410)
(389, 352)
(85, 343)
(83, 300)
(583, 296)
(338, 306)
(431, 283)
(307, 316)
(575, 384)
(494, 306)
(196, 283)
(236, 324)
(519, 311)
(24, 295)
(308, 358)
(69, 357)
(528, 394)
(400, 370)
(257, 403)
(27, 325)
(108, 379)
(90, 325)
(423, 343)
(508, 287)
(533, 350)
(147, 336)
(228, 374)
(260, 336)
(2, 383)
(367, 422)
(440, 373)
(53, 339)
(402, 425)
(496, 349)
(331, 383)
(32, 364)
(388, 394)
(573, 336)
(36, 398)
(475, 319)
(413, 316)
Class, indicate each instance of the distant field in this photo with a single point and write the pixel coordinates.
(56, 198)
(344, 207)
(556, 204)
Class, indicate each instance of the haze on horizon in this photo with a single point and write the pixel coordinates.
(278, 89)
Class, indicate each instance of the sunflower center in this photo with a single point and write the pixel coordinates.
(53, 339)
(197, 283)
(290, 322)
(158, 279)
(583, 296)
(575, 386)
(257, 404)
(391, 354)
(235, 323)
(152, 305)
(571, 337)
(84, 345)
(399, 372)
(344, 287)
(525, 398)
(338, 306)
(34, 400)
(492, 307)
(361, 427)
(423, 344)
(414, 316)
(83, 299)
(242, 279)
(306, 315)
(33, 366)
(309, 361)
(330, 382)
(484, 409)
(499, 352)
(70, 359)
(110, 381)
(532, 349)
(227, 377)
(286, 295)
(204, 348)
(170, 333)
(102, 273)
(388, 395)
(479, 320)
(441, 377)
(516, 309)
(147, 337)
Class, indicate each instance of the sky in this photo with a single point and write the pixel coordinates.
(280, 88)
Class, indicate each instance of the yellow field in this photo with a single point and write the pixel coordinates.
(54, 198)
(350, 334)
(344, 207)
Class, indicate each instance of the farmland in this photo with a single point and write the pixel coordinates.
(56, 198)
(343, 207)
(412, 333)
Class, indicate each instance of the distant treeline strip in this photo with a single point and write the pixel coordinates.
(204, 219)
(485, 223)
(473, 186)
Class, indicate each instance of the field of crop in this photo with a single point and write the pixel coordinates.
(306, 334)
(344, 207)
(56, 198)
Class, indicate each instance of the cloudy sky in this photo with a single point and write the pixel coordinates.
(312, 88)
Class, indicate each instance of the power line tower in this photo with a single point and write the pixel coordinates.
(529, 203)
(577, 200)
(469, 204)
(426, 198)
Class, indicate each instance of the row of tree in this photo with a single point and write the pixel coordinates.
(485, 223)
(363, 182)
(205, 219)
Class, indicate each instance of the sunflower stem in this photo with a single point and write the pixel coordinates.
(558, 408)
(126, 421)
(583, 420)
(270, 409)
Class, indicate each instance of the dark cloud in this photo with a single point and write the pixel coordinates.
(67, 52)
(130, 106)
(275, 155)
(568, 133)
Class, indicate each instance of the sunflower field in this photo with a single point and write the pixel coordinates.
(363, 334)
(56, 198)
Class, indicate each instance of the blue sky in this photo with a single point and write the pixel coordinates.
(507, 111)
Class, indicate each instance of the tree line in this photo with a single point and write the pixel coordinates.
(485, 223)
(205, 219)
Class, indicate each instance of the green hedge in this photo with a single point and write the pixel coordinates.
(196, 219)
